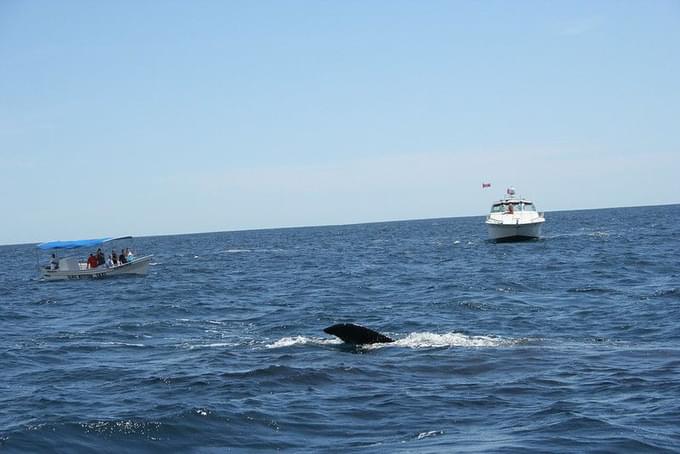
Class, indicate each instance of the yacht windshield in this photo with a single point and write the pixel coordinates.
(529, 207)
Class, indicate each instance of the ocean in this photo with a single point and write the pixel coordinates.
(569, 343)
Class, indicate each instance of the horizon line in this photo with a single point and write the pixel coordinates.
(387, 221)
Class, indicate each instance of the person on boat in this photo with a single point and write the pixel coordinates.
(54, 263)
(129, 255)
(114, 257)
(121, 258)
(510, 208)
(92, 261)
(100, 257)
(109, 262)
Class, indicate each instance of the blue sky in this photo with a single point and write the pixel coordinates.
(160, 117)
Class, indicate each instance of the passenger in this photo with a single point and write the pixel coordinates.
(510, 209)
(54, 263)
(100, 257)
(114, 257)
(109, 262)
(92, 261)
(129, 255)
(121, 258)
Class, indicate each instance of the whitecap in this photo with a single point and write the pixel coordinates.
(213, 345)
(599, 234)
(434, 340)
(431, 433)
(123, 344)
(413, 340)
(302, 340)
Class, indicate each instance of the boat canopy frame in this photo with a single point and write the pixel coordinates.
(75, 244)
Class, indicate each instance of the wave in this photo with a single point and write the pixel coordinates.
(431, 433)
(121, 344)
(246, 250)
(210, 345)
(595, 290)
(413, 340)
(666, 292)
(303, 340)
(430, 340)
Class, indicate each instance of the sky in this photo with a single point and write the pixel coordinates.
(161, 117)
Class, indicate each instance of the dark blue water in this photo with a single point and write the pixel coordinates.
(570, 343)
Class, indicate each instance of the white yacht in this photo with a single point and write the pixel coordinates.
(514, 219)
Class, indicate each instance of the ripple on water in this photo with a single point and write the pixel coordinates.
(564, 344)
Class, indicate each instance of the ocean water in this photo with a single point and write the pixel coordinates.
(569, 343)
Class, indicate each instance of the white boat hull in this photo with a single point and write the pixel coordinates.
(514, 219)
(514, 232)
(138, 266)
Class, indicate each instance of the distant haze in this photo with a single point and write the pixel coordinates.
(150, 118)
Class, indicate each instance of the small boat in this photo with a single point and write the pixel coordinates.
(514, 219)
(74, 267)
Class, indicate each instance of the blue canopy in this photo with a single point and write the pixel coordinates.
(78, 243)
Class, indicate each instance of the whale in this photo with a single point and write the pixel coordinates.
(357, 334)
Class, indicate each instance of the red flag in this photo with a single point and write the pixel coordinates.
(486, 185)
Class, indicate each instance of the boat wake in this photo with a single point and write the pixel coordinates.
(592, 234)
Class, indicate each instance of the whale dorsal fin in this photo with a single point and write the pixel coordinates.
(356, 334)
